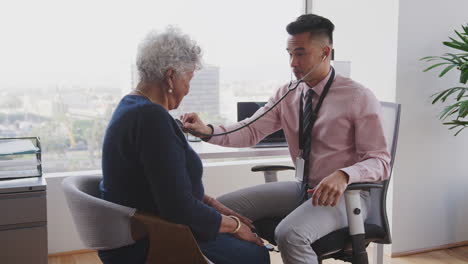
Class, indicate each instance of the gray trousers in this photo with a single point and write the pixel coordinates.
(304, 222)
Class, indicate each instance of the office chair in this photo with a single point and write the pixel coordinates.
(104, 225)
(349, 244)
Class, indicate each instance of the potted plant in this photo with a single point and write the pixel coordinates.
(458, 109)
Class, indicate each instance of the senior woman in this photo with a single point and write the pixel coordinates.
(148, 164)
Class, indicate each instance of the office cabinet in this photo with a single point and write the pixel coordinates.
(23, 221)
(23, 207)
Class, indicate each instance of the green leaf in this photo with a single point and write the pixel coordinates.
(447, 114)
(448, 111)
(454, 41)
(465, 39)
(458, 110)
(463, 110)
(433, 58)
(457, 123)
(428, 57)
(439, 95)
(454, 111)
(435, 65)
(453, 122)
(451, 91)
(455, 57)
(462, 92)
(448, 59)
(455, 46)
(446, 70)
(464, 77)
(459, 131)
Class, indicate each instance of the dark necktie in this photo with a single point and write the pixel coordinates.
(307, 122)
(306, 135)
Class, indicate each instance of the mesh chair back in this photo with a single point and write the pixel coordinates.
(100, 224)
(378, 213)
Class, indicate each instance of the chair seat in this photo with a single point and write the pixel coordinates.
(340, 240)
(332, 243)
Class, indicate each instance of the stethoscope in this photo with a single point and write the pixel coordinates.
(290, 89)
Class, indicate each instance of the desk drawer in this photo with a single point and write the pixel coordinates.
(17, 208)
(24, 246)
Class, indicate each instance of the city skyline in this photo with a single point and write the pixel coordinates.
(51, 43)
(71, 120)
(64, 68)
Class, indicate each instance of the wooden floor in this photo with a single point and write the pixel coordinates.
(452, 256)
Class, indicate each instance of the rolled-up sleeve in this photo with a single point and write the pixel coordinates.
(252, 134)
(373, 162)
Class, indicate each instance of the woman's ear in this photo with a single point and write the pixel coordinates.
(169, 77)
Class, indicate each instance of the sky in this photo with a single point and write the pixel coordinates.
(63, 43)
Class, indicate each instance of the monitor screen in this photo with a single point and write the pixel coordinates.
(247, 109)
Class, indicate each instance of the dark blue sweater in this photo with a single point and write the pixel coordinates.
(147, 164)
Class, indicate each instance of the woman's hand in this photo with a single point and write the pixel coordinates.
(246, 234)
(226, 211)
(230, 224)
(192, 121)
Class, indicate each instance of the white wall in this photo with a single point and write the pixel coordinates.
(219, 178)
(430, 202)
(366, 35)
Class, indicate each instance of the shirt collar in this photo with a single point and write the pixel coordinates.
(318, 88)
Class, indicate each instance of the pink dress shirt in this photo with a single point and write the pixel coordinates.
(347, 136)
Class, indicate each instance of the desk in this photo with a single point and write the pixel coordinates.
(221, 177)
(210, 151)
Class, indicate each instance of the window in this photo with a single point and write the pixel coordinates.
(366, 35)
(66, 64)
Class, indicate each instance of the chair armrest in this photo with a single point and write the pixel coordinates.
(141, 223)
(364, 186)
(271, 168)
(168, 242)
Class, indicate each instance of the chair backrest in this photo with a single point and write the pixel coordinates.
(378, 213)
(100, 224)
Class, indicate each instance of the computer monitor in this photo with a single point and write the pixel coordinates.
(247, 109)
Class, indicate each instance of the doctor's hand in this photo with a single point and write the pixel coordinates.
(193, 121)
(330, 189)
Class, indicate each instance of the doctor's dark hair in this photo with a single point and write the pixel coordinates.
(314, 24)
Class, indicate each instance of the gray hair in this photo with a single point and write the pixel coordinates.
(159, 52)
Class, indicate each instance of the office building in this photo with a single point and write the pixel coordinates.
(204, 93)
